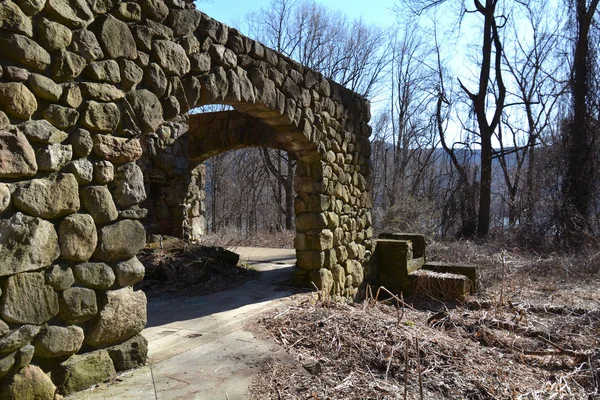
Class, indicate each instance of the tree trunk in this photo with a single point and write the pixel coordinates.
(579, 182)
(485, 191)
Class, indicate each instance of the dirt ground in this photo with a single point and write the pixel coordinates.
(532, 332)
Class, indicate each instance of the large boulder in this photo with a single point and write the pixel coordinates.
(86, 45)
(58, 341)
(130, 72)
(80, 372)
(116, 39)
(12, 18)
(29, 383)
(128, 186)
(26, 243)
(117, 150)
(72, 13)
(102, 91)
(28, 299)
(31, 7)
(24, 357)
(155, 79)
(77, 305)
(25, 51)
(54, 36)
(4, 197)
(67, 66)
(48, 198)
(78, 237)
(18, 338)
(104, 71)
(121, 240)
(60, 277)
(103, 6)
(98, 276)
(17, 158)
(82, 142)
(53, 157)
(72, 95)
(98, 201)
(184, 22)
(147, 109)
(104, 172)
(17, 100)
(129, 272)
(130, 354)
(155, 10)
(102, 117)
(42, 131)
(82, 169)
(171, 57)
(122, 317)
(7, 361)
(61, 117)
(44, 88)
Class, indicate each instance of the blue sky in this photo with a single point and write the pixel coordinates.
(377, 12)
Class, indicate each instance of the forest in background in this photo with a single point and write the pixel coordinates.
(485, 119)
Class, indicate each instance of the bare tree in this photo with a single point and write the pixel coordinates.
(351, 52)
(581, 136)
(489, 79)
(535, 89)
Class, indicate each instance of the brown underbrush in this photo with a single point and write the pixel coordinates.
(176, 268)
(531, 332)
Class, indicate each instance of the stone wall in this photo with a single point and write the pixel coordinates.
(94, 96)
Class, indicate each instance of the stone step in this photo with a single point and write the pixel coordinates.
(470, 271)
(439, 285)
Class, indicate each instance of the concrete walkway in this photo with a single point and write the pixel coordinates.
(198, 347)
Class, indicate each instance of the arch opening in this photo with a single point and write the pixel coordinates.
(176, 176)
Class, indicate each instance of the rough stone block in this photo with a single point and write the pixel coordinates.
(98, 276)
(98, 201)
(60, 277)
(77, 305)
(122, 316)
(80, 372)
(26, 243)
(17, 100)
(29, 383)
(121, 240)
(58, 341)
(130, 354)
(443, 286)
(48, 198)
(18, 338)
(28, 299)
(128, 186)
(470, 271)
(129, 272)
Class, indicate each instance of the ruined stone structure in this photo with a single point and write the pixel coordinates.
(96, 144)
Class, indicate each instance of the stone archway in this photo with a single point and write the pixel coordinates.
(324, 124)
(93, 96)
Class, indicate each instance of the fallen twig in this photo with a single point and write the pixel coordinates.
(562, 350)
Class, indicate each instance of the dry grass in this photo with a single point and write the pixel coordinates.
(532, 333)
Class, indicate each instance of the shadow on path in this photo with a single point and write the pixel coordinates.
(273, 282)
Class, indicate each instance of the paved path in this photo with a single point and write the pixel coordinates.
(198, 348)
